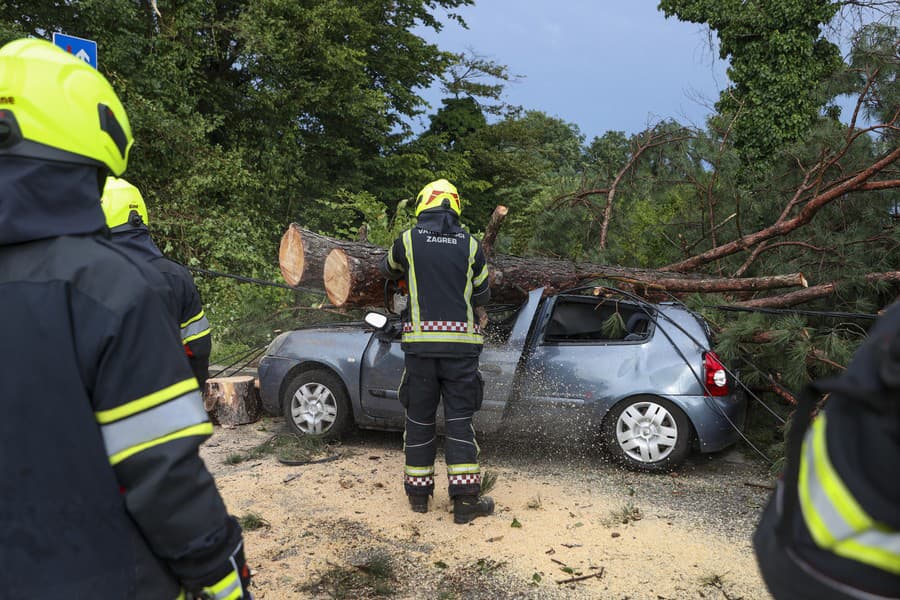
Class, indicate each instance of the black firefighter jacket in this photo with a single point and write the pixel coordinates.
(102, 491)
(182, 292)
(447, 277)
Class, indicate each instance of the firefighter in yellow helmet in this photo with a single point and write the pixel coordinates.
(447, 277)
(102, 490)
(832, 527)
(127, 219)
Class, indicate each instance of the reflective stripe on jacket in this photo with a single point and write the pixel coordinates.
(447, 276)
(834, 517)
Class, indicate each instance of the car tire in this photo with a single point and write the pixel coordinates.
(316, 405)
(647, 433)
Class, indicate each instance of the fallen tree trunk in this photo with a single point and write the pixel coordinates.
(351, 277)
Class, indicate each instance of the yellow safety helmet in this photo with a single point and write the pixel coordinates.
(123, 205)
(56, 107)
(437, 194)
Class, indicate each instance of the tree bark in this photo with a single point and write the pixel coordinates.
(231, 401)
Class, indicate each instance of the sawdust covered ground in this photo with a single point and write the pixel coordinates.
(342, 529)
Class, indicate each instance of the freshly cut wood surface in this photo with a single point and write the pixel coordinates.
(353, 276)
(232, 401)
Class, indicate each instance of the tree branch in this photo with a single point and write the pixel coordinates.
(812, 293)
(782, 227)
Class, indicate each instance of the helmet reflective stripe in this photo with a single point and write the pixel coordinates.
(836, 521)
(123, 205)
(435, 194)
(57, 107)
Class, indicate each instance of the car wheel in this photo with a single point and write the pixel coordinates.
(647, 434)
(316, 405)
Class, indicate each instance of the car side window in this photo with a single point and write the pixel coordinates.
(580, 319)
(501, 319)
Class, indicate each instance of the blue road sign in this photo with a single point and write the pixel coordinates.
(84, 49)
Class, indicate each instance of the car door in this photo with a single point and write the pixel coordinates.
(575, 370)
(382, 368)
(505, 338)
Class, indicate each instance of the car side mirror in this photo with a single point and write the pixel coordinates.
(376, 320)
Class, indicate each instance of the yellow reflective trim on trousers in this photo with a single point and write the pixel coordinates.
(181, 595)
(836, 521)
(196, 317)
(191, 338)
(148, 401)
(479, 279)
(418, 471)
(463, 469)
(201, 429)
(443, 336)
(415, 316)
(470, 317)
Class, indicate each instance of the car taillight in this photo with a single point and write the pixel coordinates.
(716, 377)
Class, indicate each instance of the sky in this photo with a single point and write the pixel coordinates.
(600, 64)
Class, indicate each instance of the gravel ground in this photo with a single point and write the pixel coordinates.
(331, 527)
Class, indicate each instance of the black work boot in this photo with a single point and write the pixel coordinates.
(419, 504)
(466, 508)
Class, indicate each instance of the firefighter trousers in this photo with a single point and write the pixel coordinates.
(426, 382)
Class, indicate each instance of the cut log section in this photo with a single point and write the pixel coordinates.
(232, 401)
(353, 276)
(302, 255)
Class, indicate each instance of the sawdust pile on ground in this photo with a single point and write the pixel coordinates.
(342, 529)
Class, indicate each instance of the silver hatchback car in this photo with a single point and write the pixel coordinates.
(651, 389)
